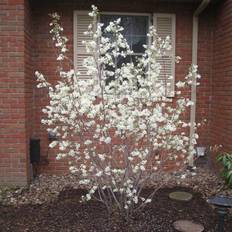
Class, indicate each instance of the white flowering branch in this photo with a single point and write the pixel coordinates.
(118, 127)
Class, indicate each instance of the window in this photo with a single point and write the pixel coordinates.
(135, 31)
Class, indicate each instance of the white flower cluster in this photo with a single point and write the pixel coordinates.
(60, 41)
(117, 127)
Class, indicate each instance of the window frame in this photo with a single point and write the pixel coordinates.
(151, 22)
(149, 15)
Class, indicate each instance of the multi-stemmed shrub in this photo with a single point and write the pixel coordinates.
(118, 127)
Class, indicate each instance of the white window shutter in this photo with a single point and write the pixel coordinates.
(165, 25)
(81, 23)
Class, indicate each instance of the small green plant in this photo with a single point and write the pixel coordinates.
(226, 160)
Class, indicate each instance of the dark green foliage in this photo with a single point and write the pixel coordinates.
(226, 160)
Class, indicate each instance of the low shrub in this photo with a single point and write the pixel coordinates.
(226, 160)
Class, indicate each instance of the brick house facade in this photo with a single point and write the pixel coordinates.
(26, 46)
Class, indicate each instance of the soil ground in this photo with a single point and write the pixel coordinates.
(67, 214)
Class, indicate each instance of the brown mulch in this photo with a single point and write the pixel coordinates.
(67, 214)
(46, 188)
(51, 203)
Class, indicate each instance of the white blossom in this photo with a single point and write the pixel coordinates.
(116, 126)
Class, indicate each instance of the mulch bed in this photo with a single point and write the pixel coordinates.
(67, 214)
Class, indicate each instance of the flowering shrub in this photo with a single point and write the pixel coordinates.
(226, 160)
(119, 127)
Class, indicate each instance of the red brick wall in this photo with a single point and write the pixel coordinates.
(44, 55)
(14, 97)
(32, 50)
(221, 109)
(205, 52)
(29, 80)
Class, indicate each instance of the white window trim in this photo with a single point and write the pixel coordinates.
(173, 71)
(75, 32)
(125, 13)
(130, 14)
(74, 39)
(173, 16)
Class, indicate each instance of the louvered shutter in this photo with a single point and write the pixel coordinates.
(165, 25)
(81, 23)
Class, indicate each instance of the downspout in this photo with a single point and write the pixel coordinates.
(197, 12)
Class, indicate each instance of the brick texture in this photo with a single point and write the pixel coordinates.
(15, 96)
(26, 46)
(205, 53)
(221, 109)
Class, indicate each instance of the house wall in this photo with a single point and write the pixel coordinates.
(221, 109)
(45, 56)
(205, 58)
(29, 80)
(26, 46)
(15, 93)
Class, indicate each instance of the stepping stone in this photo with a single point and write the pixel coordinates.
(181, 196)
(188, 226)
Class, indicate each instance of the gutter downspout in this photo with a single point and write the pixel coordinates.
(197, 12)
